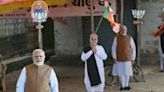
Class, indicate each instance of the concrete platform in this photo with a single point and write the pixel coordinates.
(71, 80)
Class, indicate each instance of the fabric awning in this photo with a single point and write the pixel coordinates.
(7, 6)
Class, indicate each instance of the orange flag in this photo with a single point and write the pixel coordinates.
(160, 31)
(109, 15)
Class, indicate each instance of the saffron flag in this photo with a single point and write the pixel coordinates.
(109, 15)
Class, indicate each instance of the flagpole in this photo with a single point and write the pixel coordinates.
(105, 4)
(122, 12)
(98, 24)
(92, 17)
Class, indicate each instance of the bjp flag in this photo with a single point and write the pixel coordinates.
(109, 15)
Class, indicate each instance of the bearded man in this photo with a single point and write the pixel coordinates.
(37, 77)
(124, 54)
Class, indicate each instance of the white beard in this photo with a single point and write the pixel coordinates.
(39, 63)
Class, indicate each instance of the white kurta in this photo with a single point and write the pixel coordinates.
(100, 55)
(123, 68)
(20, 87)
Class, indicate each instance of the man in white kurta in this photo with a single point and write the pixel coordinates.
(43, 80)
(161, 46)
(124, 54)
(161, 52)
(99, 54)
(160, 34)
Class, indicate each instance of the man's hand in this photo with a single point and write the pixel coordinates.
(94, 49)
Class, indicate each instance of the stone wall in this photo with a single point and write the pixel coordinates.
(149, 44)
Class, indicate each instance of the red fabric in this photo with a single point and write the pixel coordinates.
(111, 18)
(160, 31)
(113, 23)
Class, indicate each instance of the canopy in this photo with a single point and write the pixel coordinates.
(7, 6)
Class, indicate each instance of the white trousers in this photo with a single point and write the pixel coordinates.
(124, 71)
(97, 88)
(94, 88)
(124, 81)
(161, 62)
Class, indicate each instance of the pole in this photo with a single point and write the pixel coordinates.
(138, 37)
(122, 12)
(92, 17)
(39, 27)
(138, 44)
(98, 24)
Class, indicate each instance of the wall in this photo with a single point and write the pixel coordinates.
(13, 37)
(68, 36)
(149, 44)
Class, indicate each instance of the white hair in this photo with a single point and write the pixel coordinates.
(38, 50)
(41, 60)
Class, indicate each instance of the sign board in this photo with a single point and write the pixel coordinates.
(74, 8)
